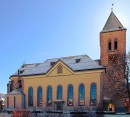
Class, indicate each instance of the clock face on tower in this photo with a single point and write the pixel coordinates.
(113, 58)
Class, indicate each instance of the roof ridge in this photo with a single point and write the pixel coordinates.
(67, 57)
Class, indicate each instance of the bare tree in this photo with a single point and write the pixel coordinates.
(127, 75)
(116, 79)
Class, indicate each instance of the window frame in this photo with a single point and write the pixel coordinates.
(11, 86)
(59, 69)
(80, 98)
(14, 102)
(68, 93)
(30, 96)
(59, 92)
(93, 93)
(7, 102)
(49, 90)
(115, 44)
(109, 45)
(39, 96)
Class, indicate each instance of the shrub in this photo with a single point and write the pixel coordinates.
(21, 113)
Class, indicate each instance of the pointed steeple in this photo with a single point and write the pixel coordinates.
(113, 24)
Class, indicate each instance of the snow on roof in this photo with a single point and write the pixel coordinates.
(85, 63)
(16, 91)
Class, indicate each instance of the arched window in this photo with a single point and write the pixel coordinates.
(14, 102)
(7, 102)
(70, 95)
(49, 96)
(30, 96)
(115, 44)
(39, 96)
(11, 86)
(93, 94)
(20, 83)
(81, 95)
(109, 45)
(59, 69)
(59, 92)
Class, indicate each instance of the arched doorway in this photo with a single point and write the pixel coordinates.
(111, 106)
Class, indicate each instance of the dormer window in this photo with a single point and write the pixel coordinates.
(77, 60)
(21, 71)
(59, 69)
(52, 63)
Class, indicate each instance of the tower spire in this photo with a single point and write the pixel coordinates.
(113, 24)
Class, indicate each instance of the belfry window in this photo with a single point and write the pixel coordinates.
(115, 45)
(109, 45)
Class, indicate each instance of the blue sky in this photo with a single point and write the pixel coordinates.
(32, 31)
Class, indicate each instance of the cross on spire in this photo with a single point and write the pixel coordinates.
(112, 7)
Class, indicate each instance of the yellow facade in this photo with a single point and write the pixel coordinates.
(12, 103)
(52, 78)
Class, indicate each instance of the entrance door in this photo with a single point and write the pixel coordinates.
(59, 106)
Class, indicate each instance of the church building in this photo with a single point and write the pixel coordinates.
(67, 82)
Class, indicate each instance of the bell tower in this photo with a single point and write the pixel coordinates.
(112, 41)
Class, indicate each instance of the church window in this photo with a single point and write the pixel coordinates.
(30, 96)
(59, 69)
(14, 102)
(70, 95)
(49, 96)
(11, 86)
(7, 88)
(7, 102)
(93, 94)
(115, 45)
(39, 96)
(109, 45)
(19, 83)
(81, 95)
(59, 92)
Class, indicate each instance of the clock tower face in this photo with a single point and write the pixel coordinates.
(113, 58)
